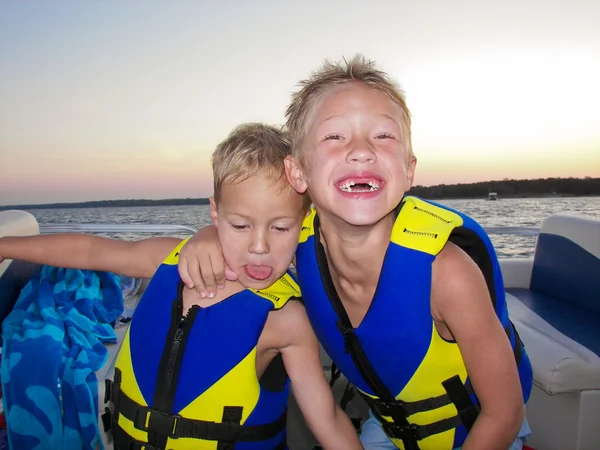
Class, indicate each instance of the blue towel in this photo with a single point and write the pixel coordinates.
(52, 346)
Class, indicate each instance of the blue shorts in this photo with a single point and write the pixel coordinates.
(372, 436)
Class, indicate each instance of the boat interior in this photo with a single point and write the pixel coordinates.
(553, 299)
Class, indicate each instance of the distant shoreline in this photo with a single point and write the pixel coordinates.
(539, 188)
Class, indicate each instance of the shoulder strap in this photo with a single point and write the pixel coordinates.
(308, 228)
(281, 291)
(354, 348)
(423, 226)
(173, 258)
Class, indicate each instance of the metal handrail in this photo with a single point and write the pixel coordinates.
(52, 228)
(522, 231)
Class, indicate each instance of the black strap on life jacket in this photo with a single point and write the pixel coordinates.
(459, 395)
(349, 391)
(399, 428)
(518, 350)
(347, 396)
(470, 242)
(383, 408)
(174, 426)
(335, 374)
(353, 347)
(456, 393)
(231, 415)
(122, 441)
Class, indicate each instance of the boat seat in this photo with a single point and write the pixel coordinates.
(554, 302)
(562, 341)
(15, 274)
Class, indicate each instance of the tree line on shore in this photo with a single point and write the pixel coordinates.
(543, 187)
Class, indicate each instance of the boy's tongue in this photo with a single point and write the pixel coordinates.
(258, 272)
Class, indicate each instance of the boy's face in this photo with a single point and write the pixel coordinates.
(354, 164)
(259, 223)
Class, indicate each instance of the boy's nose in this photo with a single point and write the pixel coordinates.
(259, 243)
(361, 151)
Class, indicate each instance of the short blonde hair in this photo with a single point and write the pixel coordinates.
(334, 74)
(251, 149)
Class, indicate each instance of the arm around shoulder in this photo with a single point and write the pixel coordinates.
(460, 297)
(84, 251)
(201, 263)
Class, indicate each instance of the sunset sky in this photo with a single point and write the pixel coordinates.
(127, 99)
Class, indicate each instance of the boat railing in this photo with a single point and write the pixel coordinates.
(53, 228)
(521, 231)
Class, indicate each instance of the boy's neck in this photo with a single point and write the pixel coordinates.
(355, 253)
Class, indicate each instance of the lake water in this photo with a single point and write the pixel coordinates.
(504, 212)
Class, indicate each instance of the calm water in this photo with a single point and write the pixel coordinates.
(504, 212)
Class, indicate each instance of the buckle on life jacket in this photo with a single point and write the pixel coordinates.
(388, 409)
(157, 421)
(413, 433)
(457, 393)
(122, 441)
(111, 391)
(399, 410)
(139, 445)
(404, 432)
(106, 419)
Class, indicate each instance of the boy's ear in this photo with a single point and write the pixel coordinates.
(294, 174)
(213, 211)
(410, 170)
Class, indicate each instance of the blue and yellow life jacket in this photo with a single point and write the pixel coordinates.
(190, 382)
(415, 382)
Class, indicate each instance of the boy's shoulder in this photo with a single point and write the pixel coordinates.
(287, 320)
(287, 323)
(285, 327)
(293, 309)
(279, 293)
(173, 257)
(308, 226)
(424, 226)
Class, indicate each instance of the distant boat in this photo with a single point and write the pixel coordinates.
(492, 195)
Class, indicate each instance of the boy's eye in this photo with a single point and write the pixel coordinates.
(238, 227)
(281, 229)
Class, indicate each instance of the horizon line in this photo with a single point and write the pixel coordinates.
(179, 199)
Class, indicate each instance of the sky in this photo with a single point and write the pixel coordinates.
(120, 99)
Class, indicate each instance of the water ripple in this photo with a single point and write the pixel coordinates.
(528, 212)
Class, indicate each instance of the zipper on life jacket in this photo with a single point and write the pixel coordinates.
(173, 362)
(170, 362)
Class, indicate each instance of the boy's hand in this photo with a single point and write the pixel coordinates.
(201, 263)
(329, 424)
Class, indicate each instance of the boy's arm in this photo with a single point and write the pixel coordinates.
(201, 263)
(327, 421)
(83, 251)
(461, 299)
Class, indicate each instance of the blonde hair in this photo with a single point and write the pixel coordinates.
(251, 149)
(334, 74)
